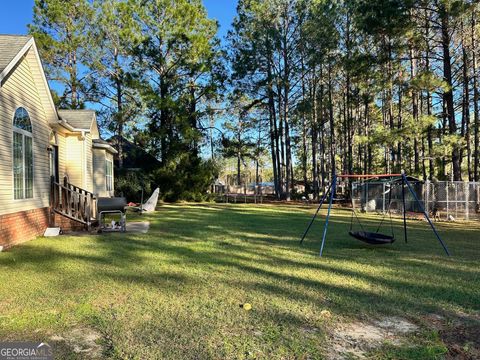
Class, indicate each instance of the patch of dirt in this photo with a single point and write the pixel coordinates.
(462, 341)
(435, 321)
(82, 341)
(396, 325)
(310, 330)
(461, 335)
(355, 339)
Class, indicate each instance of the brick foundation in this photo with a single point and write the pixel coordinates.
(66, 224)
(22, 226)
(26, 225)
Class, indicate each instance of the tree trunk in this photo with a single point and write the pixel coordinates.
(476, 115)
(400, 121)
(120, 116)
(313, 98)
(431, 167)
(192, 114)
(286, 106)
(331, 120)
(239, 169)
(413, 71)
(73, 81)
(466, 106)
(274, 146)
(281, 133)
(448, 93)
(164, 122)
(277, 147)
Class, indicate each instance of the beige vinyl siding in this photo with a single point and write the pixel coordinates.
(62, 155)
(94, 130)
(44, 94)
(79, 160)
(89, 162)
(19, 90)
(75, 167)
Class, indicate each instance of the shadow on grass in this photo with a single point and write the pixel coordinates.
(257, 250)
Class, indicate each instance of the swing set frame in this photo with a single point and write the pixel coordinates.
(331, 194)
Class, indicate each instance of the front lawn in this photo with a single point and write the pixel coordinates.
(175, 293)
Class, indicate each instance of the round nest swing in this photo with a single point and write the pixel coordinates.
(372, 238)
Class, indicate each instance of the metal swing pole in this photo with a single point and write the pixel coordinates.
(426, 215)
(404, 208)
(316, 213)
(332, 194)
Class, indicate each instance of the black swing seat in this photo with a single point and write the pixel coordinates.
(372, 238)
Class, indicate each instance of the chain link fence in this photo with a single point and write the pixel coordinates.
(446, 200)
(453, 200)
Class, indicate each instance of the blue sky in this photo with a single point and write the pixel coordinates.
(16, 14)
(222, 10)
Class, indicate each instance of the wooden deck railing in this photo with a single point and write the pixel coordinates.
(72, 202)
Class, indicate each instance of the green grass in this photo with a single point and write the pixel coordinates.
(175, 292)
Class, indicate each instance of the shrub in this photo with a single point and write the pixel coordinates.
(130, 183)
(187, 178)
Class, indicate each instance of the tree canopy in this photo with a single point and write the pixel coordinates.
(300, 88)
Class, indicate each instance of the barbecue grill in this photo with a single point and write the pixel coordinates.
(112, 206)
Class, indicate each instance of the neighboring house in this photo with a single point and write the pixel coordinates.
(134, 155)
(39, 143)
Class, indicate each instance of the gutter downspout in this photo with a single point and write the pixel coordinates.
(85, 168)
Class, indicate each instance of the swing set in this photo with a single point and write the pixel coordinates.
(371, 237)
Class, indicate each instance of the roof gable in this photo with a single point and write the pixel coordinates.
(15, 48)
(10, 47)
(78, 119)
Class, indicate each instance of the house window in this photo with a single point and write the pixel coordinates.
(22, 155)
(109, 175)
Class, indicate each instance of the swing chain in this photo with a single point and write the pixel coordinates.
(354, 213)
(389, 213)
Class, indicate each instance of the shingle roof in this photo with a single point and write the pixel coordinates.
(134, 155)
(10, 46)
(101, 141)
(79, 119)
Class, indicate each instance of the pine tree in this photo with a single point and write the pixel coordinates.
(116, 34)
(59, 28)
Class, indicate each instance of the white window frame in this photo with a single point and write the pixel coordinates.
(24, 134)
(108, 178)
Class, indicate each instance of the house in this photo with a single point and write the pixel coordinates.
(134, 155)
(53, 163)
